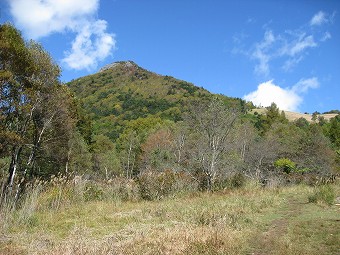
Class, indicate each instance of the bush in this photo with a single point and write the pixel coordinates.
(238, 180)
(154, 186)
(123, 189)
(285, 164)
(235, 181)
(157, 185)
(324, 194)
(93, 192)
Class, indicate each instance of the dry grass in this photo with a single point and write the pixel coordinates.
(291, 116)
(228, 222)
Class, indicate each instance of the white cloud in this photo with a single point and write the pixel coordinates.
(293, 48)
(318, 19)
(288, 99)
(290, 46)
(268, 93)
(287, 48)
(263, 66)
(326, 36)
(86, 52)
(261, 53)
(298, 45)
(305, 84)
(321, 18)
(291, 62)
(41, 18)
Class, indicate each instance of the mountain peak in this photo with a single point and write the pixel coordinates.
(126, 64)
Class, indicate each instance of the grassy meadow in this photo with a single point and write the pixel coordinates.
(67, 218)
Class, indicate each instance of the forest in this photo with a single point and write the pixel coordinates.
(129, 133)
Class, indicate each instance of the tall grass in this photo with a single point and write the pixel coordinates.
(76, 216)
(64, 217)
(323, 194)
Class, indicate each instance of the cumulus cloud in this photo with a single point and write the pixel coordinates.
(41, 18)
(86, 52)
(268, 93)
(288, 99)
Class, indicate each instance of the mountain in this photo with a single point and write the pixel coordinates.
(123, 91)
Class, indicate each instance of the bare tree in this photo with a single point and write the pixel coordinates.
(213, 124)
(130, 146)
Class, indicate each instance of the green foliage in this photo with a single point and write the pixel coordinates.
(37, 117)
(234, 181)
(271, 116)
(285, 164)
(332, 112)
(324, 194)
(113, 99)
(306, 146)
(93, 192)
(238, 180)
(333, 131)
(302, 123)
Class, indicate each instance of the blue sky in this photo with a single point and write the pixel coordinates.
(284, 51)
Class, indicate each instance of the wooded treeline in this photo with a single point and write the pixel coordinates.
(46, 130)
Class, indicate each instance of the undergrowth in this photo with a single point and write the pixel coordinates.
(68, 216)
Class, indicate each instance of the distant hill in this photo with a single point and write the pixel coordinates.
(291, 116)
(123, 91)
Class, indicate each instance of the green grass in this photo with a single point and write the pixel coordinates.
(229, 222)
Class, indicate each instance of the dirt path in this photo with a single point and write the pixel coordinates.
(267, 242)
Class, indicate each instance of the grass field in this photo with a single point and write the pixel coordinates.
(251, 220)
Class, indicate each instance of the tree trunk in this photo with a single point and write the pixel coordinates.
(13, 167)
(128, 160)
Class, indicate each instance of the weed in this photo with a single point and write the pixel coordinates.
(324, 194)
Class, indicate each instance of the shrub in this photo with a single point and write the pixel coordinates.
(323, 194)
(285, 164)
(153, 186)
(157, 185)
(93, 192)
(237, 180)
(123, 189)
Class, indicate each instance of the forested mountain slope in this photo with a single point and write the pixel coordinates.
(123, 91)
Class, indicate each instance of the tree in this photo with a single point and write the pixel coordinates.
(262, 152)
(271, 116)
(156, 150)
(34, 108)
(129, 143)
(212, 124)
(15, 105)
(307, 146)
(178, 143)
(79, 158)
(334, 131)
(106, 161)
